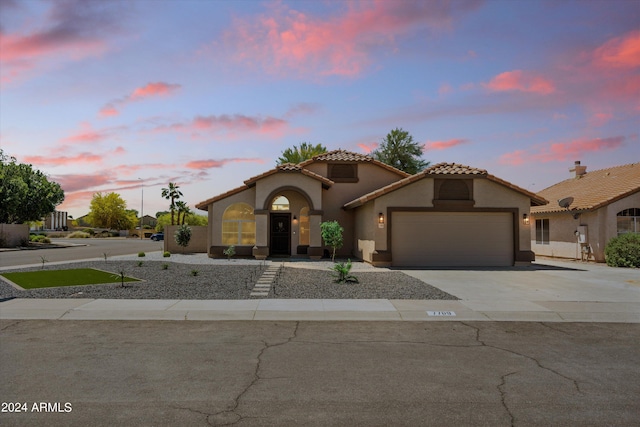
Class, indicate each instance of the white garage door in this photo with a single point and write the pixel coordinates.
(449, 239)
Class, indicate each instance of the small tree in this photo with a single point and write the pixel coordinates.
(110, 211)
(332, 235)
(183, 235)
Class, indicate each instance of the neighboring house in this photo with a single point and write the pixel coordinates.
(56, 220)
(148, 220)
(599, 205)
(447, 215)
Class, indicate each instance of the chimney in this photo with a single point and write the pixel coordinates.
(578, 170)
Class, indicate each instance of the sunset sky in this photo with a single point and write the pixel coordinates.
(106, 95)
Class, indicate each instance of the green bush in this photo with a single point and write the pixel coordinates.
(623, 251)
(39, 238)
(166, 254)
(141, 254)
(89, 231)
(79, 235)
(342, 271)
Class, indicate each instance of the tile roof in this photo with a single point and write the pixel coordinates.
(286, 168)
(348, 156)
(443, 169)
(593, 189)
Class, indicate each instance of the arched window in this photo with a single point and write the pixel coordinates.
(280, 203)
(304, 226)
(239, 225)
(629, 221)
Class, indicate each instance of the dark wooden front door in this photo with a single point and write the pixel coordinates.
(280, 234)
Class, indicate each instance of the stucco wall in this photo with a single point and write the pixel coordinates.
(12, 235)
(197, 244)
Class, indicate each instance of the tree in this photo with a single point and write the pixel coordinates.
(299, 154)
(183, 209)
(172, 193)
(183, 235)
(332, 235)
(191, 219)
(110, 211)
(399, 150)
(26, 194)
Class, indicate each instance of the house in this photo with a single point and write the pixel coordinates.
(586, 211)
(148, 221)
(446, 215)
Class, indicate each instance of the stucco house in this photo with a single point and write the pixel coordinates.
(446, 215)
(586, 211)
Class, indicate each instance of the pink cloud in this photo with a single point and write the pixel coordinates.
(211, 163)
(149, 90)
(562, 151)
(286, 41)
(77, 182)
(64, 160)
(445, 88)
(600, 118)
(443, 145)
(65, 33)
(518, 80)
(620, 52)
(231, 124)
(368, 148)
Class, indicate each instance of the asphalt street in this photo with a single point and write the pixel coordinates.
(82, 249)
(162, 373)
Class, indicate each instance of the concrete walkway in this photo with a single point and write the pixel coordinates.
(548, 291)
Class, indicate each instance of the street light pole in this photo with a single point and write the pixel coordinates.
(141, 208)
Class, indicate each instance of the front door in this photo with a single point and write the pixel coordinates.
(280, 234)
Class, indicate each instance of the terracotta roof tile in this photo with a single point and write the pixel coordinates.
(443, 169)
(203, 205)
(348, 156)
(593, 189)
(290, 167)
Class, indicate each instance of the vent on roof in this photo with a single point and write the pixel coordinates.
(343, 172)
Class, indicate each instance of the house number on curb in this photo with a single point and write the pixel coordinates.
(441, 313)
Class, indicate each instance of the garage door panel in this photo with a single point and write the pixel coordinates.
(452, 239)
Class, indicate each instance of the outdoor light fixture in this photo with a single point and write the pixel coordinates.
(380, 218)
(295, 219)
(525, 219)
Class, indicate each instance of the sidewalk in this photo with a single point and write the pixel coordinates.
(549, 291)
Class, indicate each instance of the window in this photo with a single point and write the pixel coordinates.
(304, 226)
(239, 225)
(280, 203)
(343, 172)
(629, 221)
(542, 231)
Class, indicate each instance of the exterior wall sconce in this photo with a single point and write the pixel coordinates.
(380, 220)
(525, 219)
(295, 219)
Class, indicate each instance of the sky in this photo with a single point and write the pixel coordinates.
(127, 96)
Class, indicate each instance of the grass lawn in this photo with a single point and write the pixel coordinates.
(54, 278)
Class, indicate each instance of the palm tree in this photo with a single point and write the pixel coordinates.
(299, 154)
(172, 193)
(183, 209)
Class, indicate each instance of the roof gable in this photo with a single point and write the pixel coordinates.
(344, 156)
(284, 168)
(594, 189)
(439, 170)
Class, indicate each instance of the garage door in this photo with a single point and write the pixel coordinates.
(449, 239)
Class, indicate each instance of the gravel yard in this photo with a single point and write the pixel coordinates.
(230, 282)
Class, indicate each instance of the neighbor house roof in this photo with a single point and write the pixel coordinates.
(284, 168)
(593, 190)
(344, 156)
(438, 170)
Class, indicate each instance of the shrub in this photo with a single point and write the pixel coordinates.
(79, 235)
(140, 263)
(194, 273)
(89, 231)
(166, 254)
(39, 238)
(141, 254)
(183, 235)
(230, 251)
(165, 266)
(342, 273)
(623, 251)
(332, 235)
